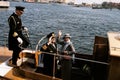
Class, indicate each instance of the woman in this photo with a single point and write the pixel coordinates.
(67, 50)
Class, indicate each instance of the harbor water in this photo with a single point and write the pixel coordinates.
(82, 23)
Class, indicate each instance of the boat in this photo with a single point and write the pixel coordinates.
(118, 7)
(96, 6)
(4, 4)
(103, 64)
(85, 67)
(29, 61)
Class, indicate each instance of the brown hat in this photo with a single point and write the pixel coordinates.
(20, 8)
(52, 34)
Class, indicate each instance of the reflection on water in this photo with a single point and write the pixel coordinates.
(82, 23)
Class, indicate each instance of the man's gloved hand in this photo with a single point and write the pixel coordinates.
(20, 40)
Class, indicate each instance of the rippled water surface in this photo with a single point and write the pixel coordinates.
(82, 23)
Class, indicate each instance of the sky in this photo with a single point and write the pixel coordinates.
(97, 1)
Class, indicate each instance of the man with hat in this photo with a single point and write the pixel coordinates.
(15, 37)
(51, 47)
(67, 50)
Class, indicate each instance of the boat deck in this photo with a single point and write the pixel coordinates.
(11, 73)
(4, 54)
(6, 72)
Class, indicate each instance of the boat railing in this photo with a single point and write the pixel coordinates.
(58, 56)
(76, 58)
(36, 48)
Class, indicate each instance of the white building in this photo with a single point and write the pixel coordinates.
(68, 1)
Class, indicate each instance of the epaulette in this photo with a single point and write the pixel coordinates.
(44, 47)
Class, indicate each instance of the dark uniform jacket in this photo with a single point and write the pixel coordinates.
(48, 59)
(15, 25)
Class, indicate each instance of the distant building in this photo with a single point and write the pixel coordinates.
(43, 1)
(68, 1)
(29, 0)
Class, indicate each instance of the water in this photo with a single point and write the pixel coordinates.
(82, 23)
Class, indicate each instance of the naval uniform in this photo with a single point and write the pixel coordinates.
(48, 59)
(15, 26)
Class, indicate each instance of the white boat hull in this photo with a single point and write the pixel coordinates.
(4, 4)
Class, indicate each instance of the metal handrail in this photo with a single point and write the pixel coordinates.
(88, 60)
(72, 58)
(39, 42)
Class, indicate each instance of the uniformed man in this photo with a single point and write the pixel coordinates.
(15, 33)
(48, 60)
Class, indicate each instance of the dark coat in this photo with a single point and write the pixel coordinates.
(48, 59)
(15, 25)
(66, 63)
